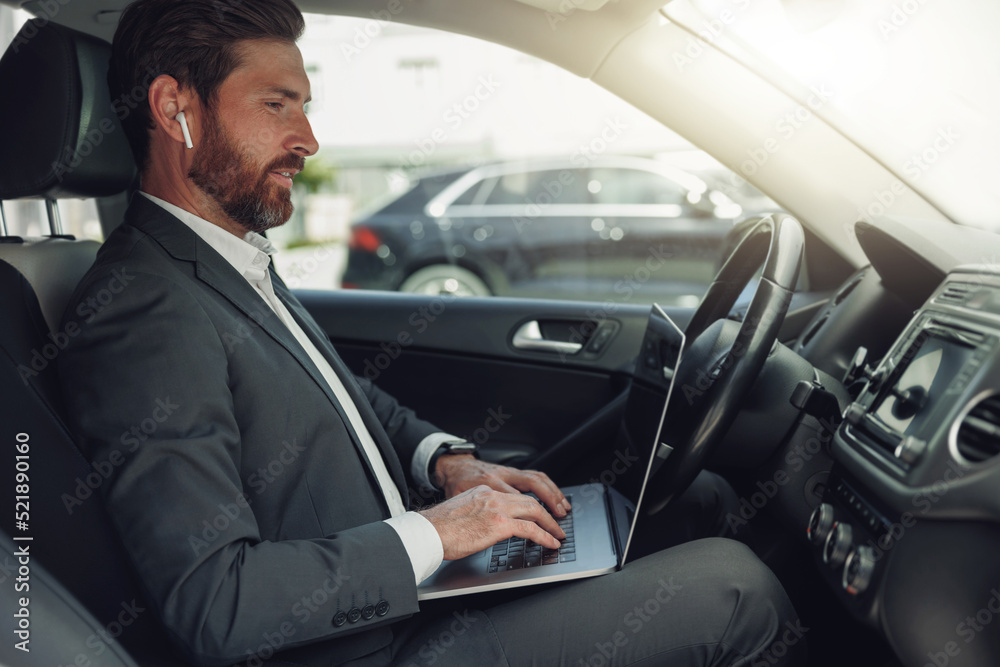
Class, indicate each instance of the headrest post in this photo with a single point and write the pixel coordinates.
(55, 223)
(3, 220)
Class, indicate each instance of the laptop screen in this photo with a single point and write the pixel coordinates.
(639, 446)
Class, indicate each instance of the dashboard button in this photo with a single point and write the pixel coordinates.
(596, 343)
(858, 570)
(820, 524)
(837, 544)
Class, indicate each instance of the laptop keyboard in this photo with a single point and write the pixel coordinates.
(516, 552)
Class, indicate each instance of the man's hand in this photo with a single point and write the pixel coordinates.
(461, 472)
(481, 516)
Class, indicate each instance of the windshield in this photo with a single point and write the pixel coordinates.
(912, 82)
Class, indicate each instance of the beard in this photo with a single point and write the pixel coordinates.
(245, 192)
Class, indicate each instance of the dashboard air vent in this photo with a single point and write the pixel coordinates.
(955, 294)
(848, 288)
(978, 436)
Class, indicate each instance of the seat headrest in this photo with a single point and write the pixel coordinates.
(63, 137)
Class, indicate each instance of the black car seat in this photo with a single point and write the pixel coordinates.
(53, 612)
(64, 140)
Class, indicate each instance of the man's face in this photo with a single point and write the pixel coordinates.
(256, 137)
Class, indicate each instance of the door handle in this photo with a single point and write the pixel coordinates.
(529, 337)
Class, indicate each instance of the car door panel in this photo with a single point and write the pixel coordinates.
(492, 402)
(453, 360)
(457, 363)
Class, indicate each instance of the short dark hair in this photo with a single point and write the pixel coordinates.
(194, 41)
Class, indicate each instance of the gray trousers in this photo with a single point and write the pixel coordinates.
(703, 602)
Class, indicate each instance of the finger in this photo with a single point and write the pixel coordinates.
(531, 531)
(542, 486)
(500, 485)
(533, 510)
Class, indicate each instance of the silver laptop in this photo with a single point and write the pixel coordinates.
(599, 528)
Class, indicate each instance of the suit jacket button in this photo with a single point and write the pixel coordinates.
(367, 612)
(339, 619)
(353, 615)
(382, 608)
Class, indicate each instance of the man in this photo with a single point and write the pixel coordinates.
(258, 487)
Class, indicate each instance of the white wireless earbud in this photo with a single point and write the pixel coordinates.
(184, 128)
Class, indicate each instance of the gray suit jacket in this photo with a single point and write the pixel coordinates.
(237, 484)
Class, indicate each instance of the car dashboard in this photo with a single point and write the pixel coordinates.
(907, 533)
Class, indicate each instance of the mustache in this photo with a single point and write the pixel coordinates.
(288, 162)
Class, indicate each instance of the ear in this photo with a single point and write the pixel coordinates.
(166, 100)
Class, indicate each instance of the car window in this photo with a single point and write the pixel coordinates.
(449, 164)
(28, 217)
(632, 186)
(476, 194)
(11, 21)
(553, 186)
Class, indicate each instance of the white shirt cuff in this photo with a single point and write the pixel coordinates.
(422, 457)
(421, 541)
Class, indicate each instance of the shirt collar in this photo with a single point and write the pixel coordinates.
(249, 255)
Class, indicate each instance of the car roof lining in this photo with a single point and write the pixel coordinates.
(552, 36)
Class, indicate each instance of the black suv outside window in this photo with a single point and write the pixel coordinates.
(633, 186)
(550, 186)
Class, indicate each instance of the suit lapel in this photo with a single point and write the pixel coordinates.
(211, 268)
(322, 343)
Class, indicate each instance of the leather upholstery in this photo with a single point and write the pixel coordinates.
(62, 136)
(71, 531)
(51, 607)
(62, 140)
(53, 267)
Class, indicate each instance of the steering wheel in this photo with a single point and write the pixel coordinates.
(723, 357)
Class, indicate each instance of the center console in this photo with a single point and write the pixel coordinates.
(916, 469)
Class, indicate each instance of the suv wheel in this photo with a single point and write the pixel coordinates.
(445, 279)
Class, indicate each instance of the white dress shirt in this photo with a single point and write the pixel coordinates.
(250, 257)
